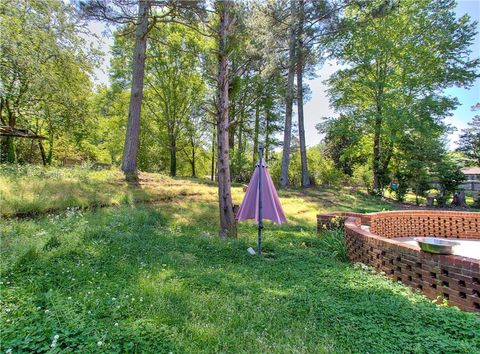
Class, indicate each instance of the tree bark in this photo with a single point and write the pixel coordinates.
(228, 227)
(459, 199)
(287, 134)
(42, 153)
(301, 123)
(256, 133)
(173, 159)
(240, 150)
(376, 153)
(194, 173)
(130, 152)
(10, 144)
(378, 168)
(50, 147)
(212, 176)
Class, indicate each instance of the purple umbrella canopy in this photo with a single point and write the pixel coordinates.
(271, 206)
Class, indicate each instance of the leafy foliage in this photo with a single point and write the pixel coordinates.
(400, 59)
(469, 142)
(45, 67)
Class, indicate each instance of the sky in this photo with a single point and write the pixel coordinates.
(318, 105)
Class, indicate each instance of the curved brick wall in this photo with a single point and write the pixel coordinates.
(438, 276)
(448, 224)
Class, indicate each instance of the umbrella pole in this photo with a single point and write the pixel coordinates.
(260, 207)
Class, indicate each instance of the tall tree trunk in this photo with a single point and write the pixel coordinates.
(212, 176)
(50, 148)
(287, 134)
(10, 144)
(228, 227)
(301, 122)
(231, 131)
(376, 149)
(173, 159)
(130, 152)
(42, 153)
(192, 162)
(256, 133)
(240, 151)
(376, 154)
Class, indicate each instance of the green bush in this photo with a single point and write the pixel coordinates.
(322, 170)
(332, 243)
(362, 177)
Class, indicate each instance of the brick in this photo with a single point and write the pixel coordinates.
(428, 272)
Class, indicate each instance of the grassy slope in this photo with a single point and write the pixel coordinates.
(156, 279)
(30, 191)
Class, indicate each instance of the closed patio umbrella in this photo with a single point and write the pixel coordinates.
(261, 200)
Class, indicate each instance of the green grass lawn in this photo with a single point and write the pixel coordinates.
(155, 278)
(30, 191)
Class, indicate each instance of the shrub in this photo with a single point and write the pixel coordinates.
(362, 177)
(332, 243)
(449, 178)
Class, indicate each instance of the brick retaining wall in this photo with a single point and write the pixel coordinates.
(438, 276)
(448, 224)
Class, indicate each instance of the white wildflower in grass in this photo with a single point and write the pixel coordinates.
(113, 298)
(69, 298)
(8, 351)
(54, 342)
(99, 343)
(116, 324)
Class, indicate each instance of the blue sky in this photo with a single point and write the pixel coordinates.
(467, 98)
(318, 106)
